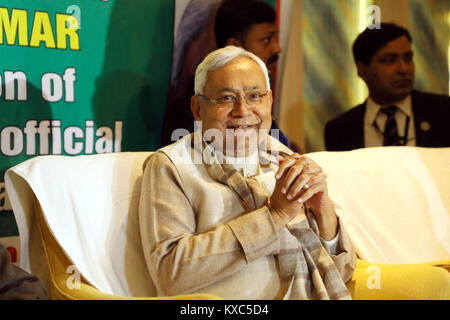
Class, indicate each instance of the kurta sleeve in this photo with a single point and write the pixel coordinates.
(345, 257)
(343, 254)
(179, 259)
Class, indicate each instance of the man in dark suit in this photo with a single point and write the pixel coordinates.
(394, 113)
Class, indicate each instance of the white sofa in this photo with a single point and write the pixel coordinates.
(82, 211)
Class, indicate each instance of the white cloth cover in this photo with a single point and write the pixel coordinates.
(394, 201)
(90, 204)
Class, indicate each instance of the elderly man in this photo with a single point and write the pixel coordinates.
(229, 210)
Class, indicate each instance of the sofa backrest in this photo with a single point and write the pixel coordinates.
(394, 201)
(90, 204)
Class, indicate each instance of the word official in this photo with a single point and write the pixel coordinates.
(47, 137)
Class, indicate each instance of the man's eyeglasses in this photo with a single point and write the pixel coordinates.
(252, 99)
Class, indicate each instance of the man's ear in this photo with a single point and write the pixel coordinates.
(361, 67)
(270, 100)
(234, 42)
(195, 108)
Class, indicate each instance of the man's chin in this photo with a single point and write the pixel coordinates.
(271, 68)
(241, 151)
(242, 145)
(402, 92)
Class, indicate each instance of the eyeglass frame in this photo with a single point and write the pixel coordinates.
(236, 100)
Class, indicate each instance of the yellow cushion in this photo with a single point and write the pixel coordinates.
(423, 281)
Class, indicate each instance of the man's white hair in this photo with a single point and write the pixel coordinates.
(220, 58)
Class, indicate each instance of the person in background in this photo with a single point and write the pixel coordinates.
(16, 284)
(394, 113)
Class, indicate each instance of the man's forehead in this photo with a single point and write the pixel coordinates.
(228, 78)
(245, 88)
(399, 45)
(243, 63)
(265, 27)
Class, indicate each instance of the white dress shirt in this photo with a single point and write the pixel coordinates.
(373, 137)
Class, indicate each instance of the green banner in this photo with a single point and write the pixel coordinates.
(80, 77)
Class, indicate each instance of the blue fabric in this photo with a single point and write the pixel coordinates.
(282, 138)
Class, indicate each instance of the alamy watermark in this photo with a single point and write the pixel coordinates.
(374, 280)
(238, 142)
(374, 17)
(74, 280)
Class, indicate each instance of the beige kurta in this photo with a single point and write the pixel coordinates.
(196, 237)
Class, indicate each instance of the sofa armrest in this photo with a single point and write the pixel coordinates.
(422, 281)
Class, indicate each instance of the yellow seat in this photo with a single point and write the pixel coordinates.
(422, 281)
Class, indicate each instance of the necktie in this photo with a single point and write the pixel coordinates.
(390, 134)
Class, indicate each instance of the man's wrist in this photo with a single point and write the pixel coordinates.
(328, 227)
(327, 220)
(277, 218)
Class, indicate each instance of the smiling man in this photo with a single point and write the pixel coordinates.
(242, 101)
(394, 113)
(229, 210)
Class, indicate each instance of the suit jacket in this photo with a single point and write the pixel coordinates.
(346, 132)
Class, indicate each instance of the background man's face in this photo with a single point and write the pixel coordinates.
(241, 76)
(262, 40)
(390, 74)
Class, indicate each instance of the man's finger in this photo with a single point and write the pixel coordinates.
(297, 187)
(290, 161)
(292, 175)
(308, 194)
(312, 169)
(287, 163)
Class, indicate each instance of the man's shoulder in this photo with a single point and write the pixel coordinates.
(183, 143)
(187, 151)
(277, 145)
(157, 160)
(173, 157)
(430, 98)
(346, 130)
(349, 115)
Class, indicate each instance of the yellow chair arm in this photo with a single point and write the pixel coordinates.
(422, 281)
(85, 291)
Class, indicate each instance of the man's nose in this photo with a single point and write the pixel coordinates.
(403, 66)
(241, 108)
(276, 48)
